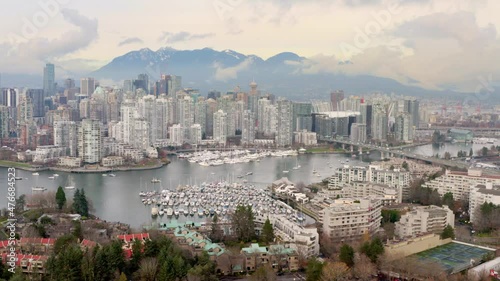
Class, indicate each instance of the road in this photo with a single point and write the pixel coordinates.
(296, 276)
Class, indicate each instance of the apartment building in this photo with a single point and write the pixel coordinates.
(483, 193)
(279, 257)
(424, 219)
(374, 174)
(460, 183)
(388, 195)
(305, 240)
(349, 219)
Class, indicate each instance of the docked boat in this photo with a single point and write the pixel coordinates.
(104, 175)
(161, 212)
(69, 187)
(18, 178)
(186, 212)
(176, 213)
(154, 211)
(51, 177)
(170, 212)
(35, 174)
(38, 188)
(285, 172)
(200, 212)
(55, 175)
(155, 180)
(112, 175)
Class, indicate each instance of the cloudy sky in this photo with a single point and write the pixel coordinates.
(430, 43)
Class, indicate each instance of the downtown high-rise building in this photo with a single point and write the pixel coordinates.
(90, 141)
(248, 127)
(358, 133)
(220, 127)
(87, 86)
(300, 109)
(403, 127)
(284, 136)
(49, 80)
(262, 114)
(412, 106)
(147, 109)
(335, 98)
(37, 97)
(66, 135)
(4, 121)
(379, 123)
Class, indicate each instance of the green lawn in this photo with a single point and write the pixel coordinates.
(6, 163)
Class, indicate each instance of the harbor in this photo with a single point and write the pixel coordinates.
(216, 158)
(217, 198)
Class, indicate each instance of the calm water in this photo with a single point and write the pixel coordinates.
(117, 198)
(452, 148)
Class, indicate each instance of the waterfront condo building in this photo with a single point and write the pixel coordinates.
(90, 141)
(87, 86)
(424, 219)
(459, 183)
(480, 194)
(220, 126)
(349, 218)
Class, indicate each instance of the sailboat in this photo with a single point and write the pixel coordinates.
(297, 166)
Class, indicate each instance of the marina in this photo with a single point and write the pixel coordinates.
(221, 198)
(216, 158)
(116, 198)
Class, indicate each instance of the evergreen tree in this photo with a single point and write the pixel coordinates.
(448, 232)
(215, 230)
(77, 205)
(313, 270)
(471, 153)
(373, 249)
(267, 232)
(347, 255)
(405, 166)
(60, 198)
(243, 223)
(84, 203)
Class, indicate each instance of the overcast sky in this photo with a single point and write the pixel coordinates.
(430, 43)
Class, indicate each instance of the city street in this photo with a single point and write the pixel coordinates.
(287, 277)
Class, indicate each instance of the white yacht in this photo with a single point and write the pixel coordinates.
(170, 211)
(55, 175)
(154, 211)
(155, 180)
(104, 175)
(161, 212)
(176, 213)
(69, 187)
(38, 188)
(51, 178)
(112, 175)
(35, 174)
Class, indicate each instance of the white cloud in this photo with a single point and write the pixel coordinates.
(225, 74)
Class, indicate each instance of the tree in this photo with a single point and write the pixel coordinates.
(263, 273)
(448, 232)
(313, 270)
(447, 155)
(123, 277)
(486, 217)
(484, 151)
(373, 249)
(448, 200)
(216, 233)
(347, 255)
(363, 268)
(20, 202)
(471, 153)
(267, 232)
(391, 168)
(243, 223)
(405, 166)
(80, 203)
(148, 269)
(335, 271)
(390, 216)
(77, 207)
(67, 265)
(60, 198)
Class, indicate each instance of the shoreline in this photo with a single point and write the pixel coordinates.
(86, 171)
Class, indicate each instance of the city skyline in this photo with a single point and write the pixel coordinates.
(405, 39)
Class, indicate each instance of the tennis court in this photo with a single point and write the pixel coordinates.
(453, 257)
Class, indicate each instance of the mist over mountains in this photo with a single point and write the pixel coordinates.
(206, 69)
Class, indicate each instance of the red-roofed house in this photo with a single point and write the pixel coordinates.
(87, 244)
(28, 263)
(5, 247)
(36, 245)
(129, 239)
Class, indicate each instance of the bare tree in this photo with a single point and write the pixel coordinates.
(363, 268)
(148, 269)
(335, 271)
(264, 273)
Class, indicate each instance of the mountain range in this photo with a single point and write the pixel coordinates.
(207, 69)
